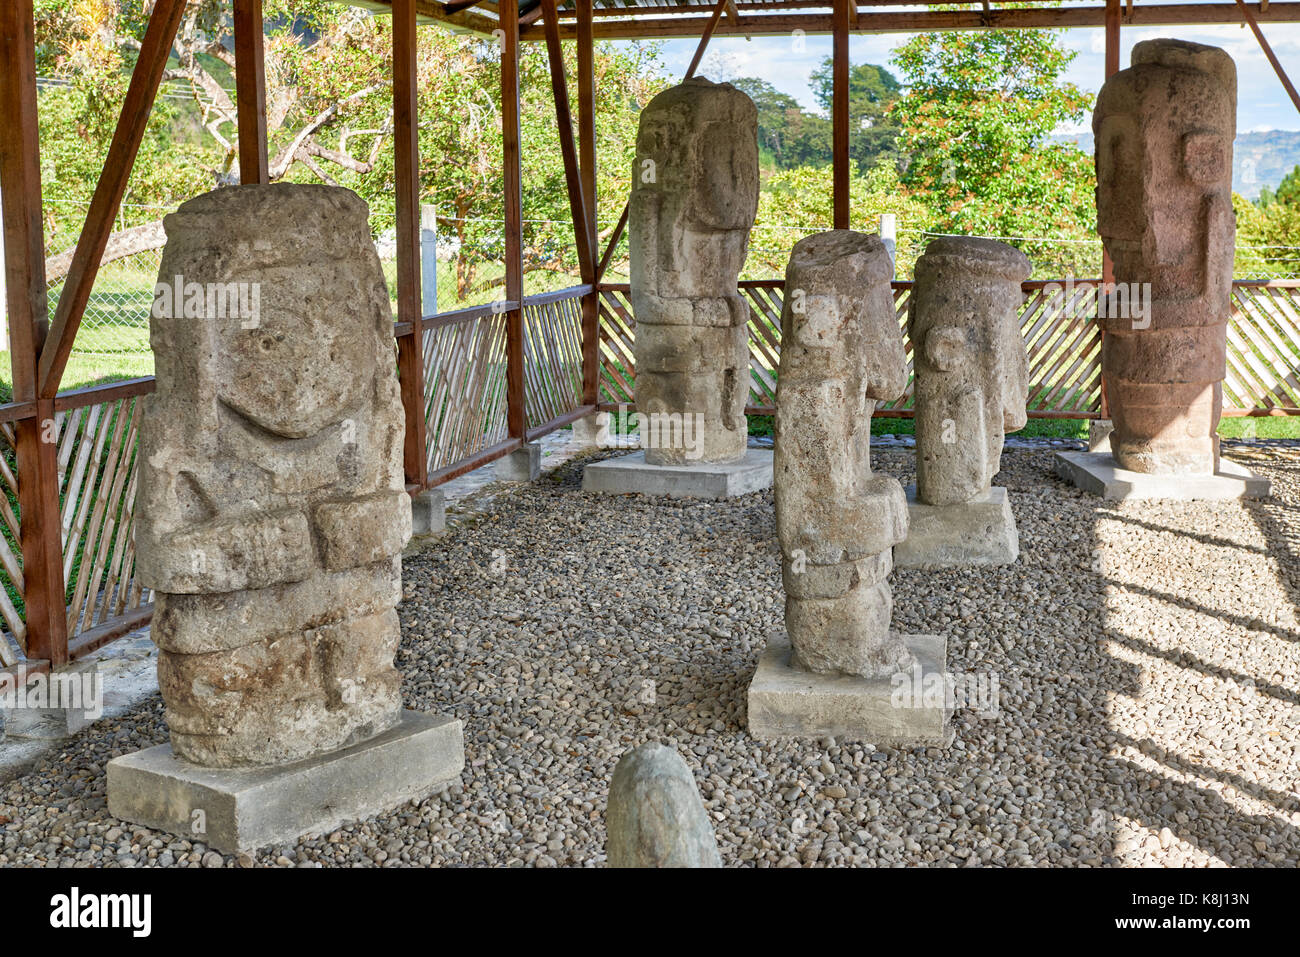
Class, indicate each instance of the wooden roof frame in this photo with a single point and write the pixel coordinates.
(752, 18)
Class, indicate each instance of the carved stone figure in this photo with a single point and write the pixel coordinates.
(655, 816)
(972, 374)
(842, 351)
(1164, 130)
(694, 196)
(272, 509)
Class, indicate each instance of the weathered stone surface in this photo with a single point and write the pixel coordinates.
(842, 351)
(694, 196)
(981, 531)
(1164, 130)
(655, 816)
(972, 373)
(272, 507)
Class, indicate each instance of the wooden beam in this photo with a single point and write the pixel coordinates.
(516, 411)
(912, 21)
(406, 166)
(250, 92)
(587, 161)
(101, 217)
(568, 149)
(40, 537)
(840, 115)
(1268, 52)
(709, 27)
(1111, 67)
(20, 190)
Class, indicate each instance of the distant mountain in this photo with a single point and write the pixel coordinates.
(1258, 159)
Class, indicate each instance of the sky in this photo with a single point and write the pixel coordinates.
(1262, 103)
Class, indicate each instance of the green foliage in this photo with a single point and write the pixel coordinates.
(975, 118)
(797, 202)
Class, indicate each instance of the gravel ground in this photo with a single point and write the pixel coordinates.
(1146, 659)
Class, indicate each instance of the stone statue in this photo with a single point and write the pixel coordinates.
(972, 374)
(694, 196)
(272, 508)
(1164, 130)
(841, 352)
(655, 816)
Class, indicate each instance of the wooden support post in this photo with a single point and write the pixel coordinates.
(406, 165)
(1268, 52)
(101, 218)
(25, 294)
(587, 161)
(840, 114)
(1112, 67)
(250, 92)
(516, 412)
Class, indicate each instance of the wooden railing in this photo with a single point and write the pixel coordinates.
(1059, 326)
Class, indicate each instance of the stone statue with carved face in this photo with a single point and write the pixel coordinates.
(1164, 130)
(694, 197)
(972, 373)
(841, 353)
(272, 508)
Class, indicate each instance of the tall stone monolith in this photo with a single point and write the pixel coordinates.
(841, 352)
(271, 514)
(971, 383)
(1164, 129)
(694, 196)
(835, 670)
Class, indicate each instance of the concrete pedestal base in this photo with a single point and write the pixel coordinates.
(1097, 472)
(428, 512)
(889, 712)
(53, 706)
(522, 465)
(630, 473)
(242, 810)
(979, 532)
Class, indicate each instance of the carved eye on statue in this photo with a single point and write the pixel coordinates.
(947, 348)
(1205, 157)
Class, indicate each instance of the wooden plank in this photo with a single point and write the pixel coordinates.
(516, 411)
(250, 92)
(101, 218)
(406, 165)
(840, 115)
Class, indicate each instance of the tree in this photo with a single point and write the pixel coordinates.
(872, 91)
(975, 120)
(797, 202)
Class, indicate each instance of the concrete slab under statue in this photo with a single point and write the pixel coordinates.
(271, 514)
(631, 474)
(1096, 472)
(979, 531)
